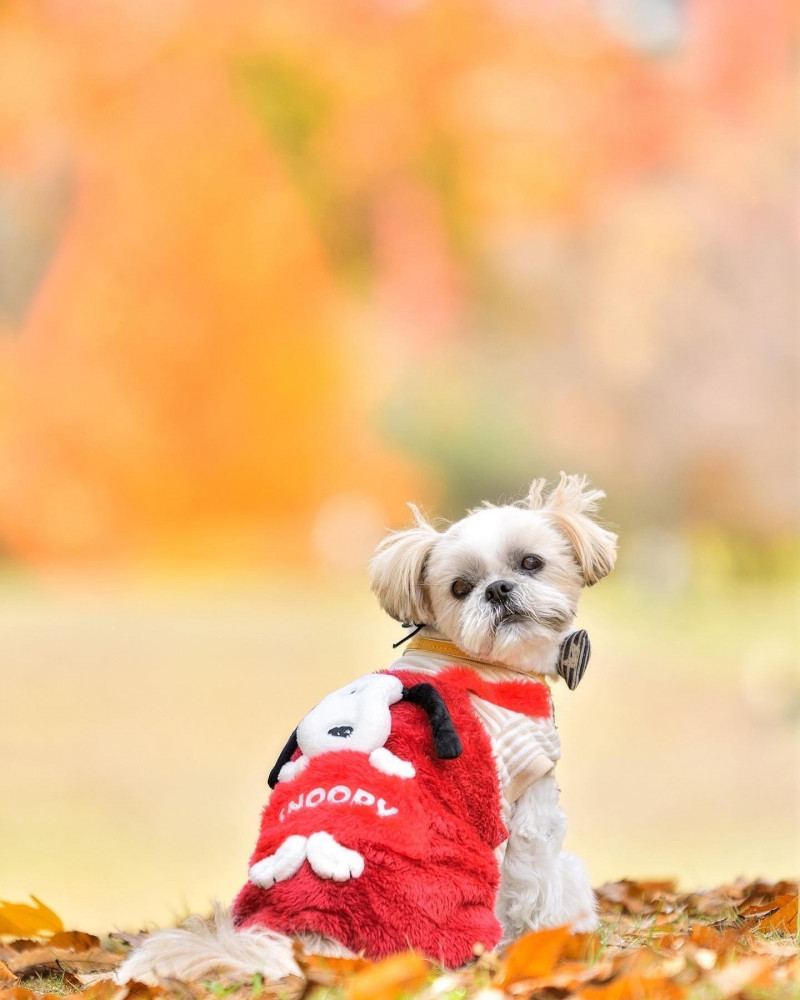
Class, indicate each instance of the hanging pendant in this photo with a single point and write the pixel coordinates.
(573, 657)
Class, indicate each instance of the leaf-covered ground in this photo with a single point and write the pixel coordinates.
(735, 941)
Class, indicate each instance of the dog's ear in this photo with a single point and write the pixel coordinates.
(396, 571)
(570, 506)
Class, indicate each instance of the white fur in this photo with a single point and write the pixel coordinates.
(210, 949)
(542, 886)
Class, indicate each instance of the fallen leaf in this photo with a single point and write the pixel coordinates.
(581, 948)
(766, 946)
(22, 919)
(762, 908)
(6, 975)
(141, 991)
(24, 944)
(533, 956)
(633, 988)
(331, 971)
(784, 919)
(389, 978)
(74, 941)
(48, 959)
(103, 989)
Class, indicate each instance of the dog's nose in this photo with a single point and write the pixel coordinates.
(497, 592)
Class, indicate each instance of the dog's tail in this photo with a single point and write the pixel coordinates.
(205, 949)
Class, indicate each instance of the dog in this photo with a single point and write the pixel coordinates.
(496, 593)
(500, 588)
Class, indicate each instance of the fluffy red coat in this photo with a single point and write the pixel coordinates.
(430, 876)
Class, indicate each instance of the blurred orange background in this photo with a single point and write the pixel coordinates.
(267, 273)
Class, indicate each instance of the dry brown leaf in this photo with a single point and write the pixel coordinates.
(764, 946)
(639, 897)
(103, 989)
(141, 991)
(581, 948)
(784, 919)
(389, 978)
(17, 993)
(566, 976)
(6, 975)
(46, 958)
(331, 971)
(649, 963)
(717, 940)
(23, 944)
(22, 920)
(633, 988)
(533, 956)
(74, 941)
(762, 907)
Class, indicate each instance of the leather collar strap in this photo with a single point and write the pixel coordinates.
(443, 647)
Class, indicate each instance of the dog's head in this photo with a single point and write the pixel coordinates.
(502, 583)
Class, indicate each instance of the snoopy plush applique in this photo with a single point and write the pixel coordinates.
(354, 718)
(382, 825)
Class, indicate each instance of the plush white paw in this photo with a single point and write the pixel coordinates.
(384, 760)
(329, 859)
(284, 863)
(293, 768)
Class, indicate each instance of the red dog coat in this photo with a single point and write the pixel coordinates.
(430, 876)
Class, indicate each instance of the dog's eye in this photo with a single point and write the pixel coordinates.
(461, 588)
(532, 563)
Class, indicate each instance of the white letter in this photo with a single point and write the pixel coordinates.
(338, 794)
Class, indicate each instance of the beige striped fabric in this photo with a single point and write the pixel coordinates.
(525, 749)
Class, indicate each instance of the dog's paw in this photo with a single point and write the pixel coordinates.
(330, 859)
(284, 863)
(384, 760)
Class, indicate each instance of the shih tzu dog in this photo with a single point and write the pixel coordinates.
(497, 593)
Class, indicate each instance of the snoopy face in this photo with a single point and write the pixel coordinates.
(356, 717)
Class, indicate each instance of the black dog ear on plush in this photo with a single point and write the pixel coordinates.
(285, 756)
(445, 738)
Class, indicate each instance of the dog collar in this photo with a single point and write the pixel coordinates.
(573, 656)
(449, 649)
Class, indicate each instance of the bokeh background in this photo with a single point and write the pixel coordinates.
(268, 271)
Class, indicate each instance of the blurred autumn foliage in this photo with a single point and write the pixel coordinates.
(269, 271)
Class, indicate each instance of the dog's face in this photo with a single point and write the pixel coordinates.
(503, 583)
